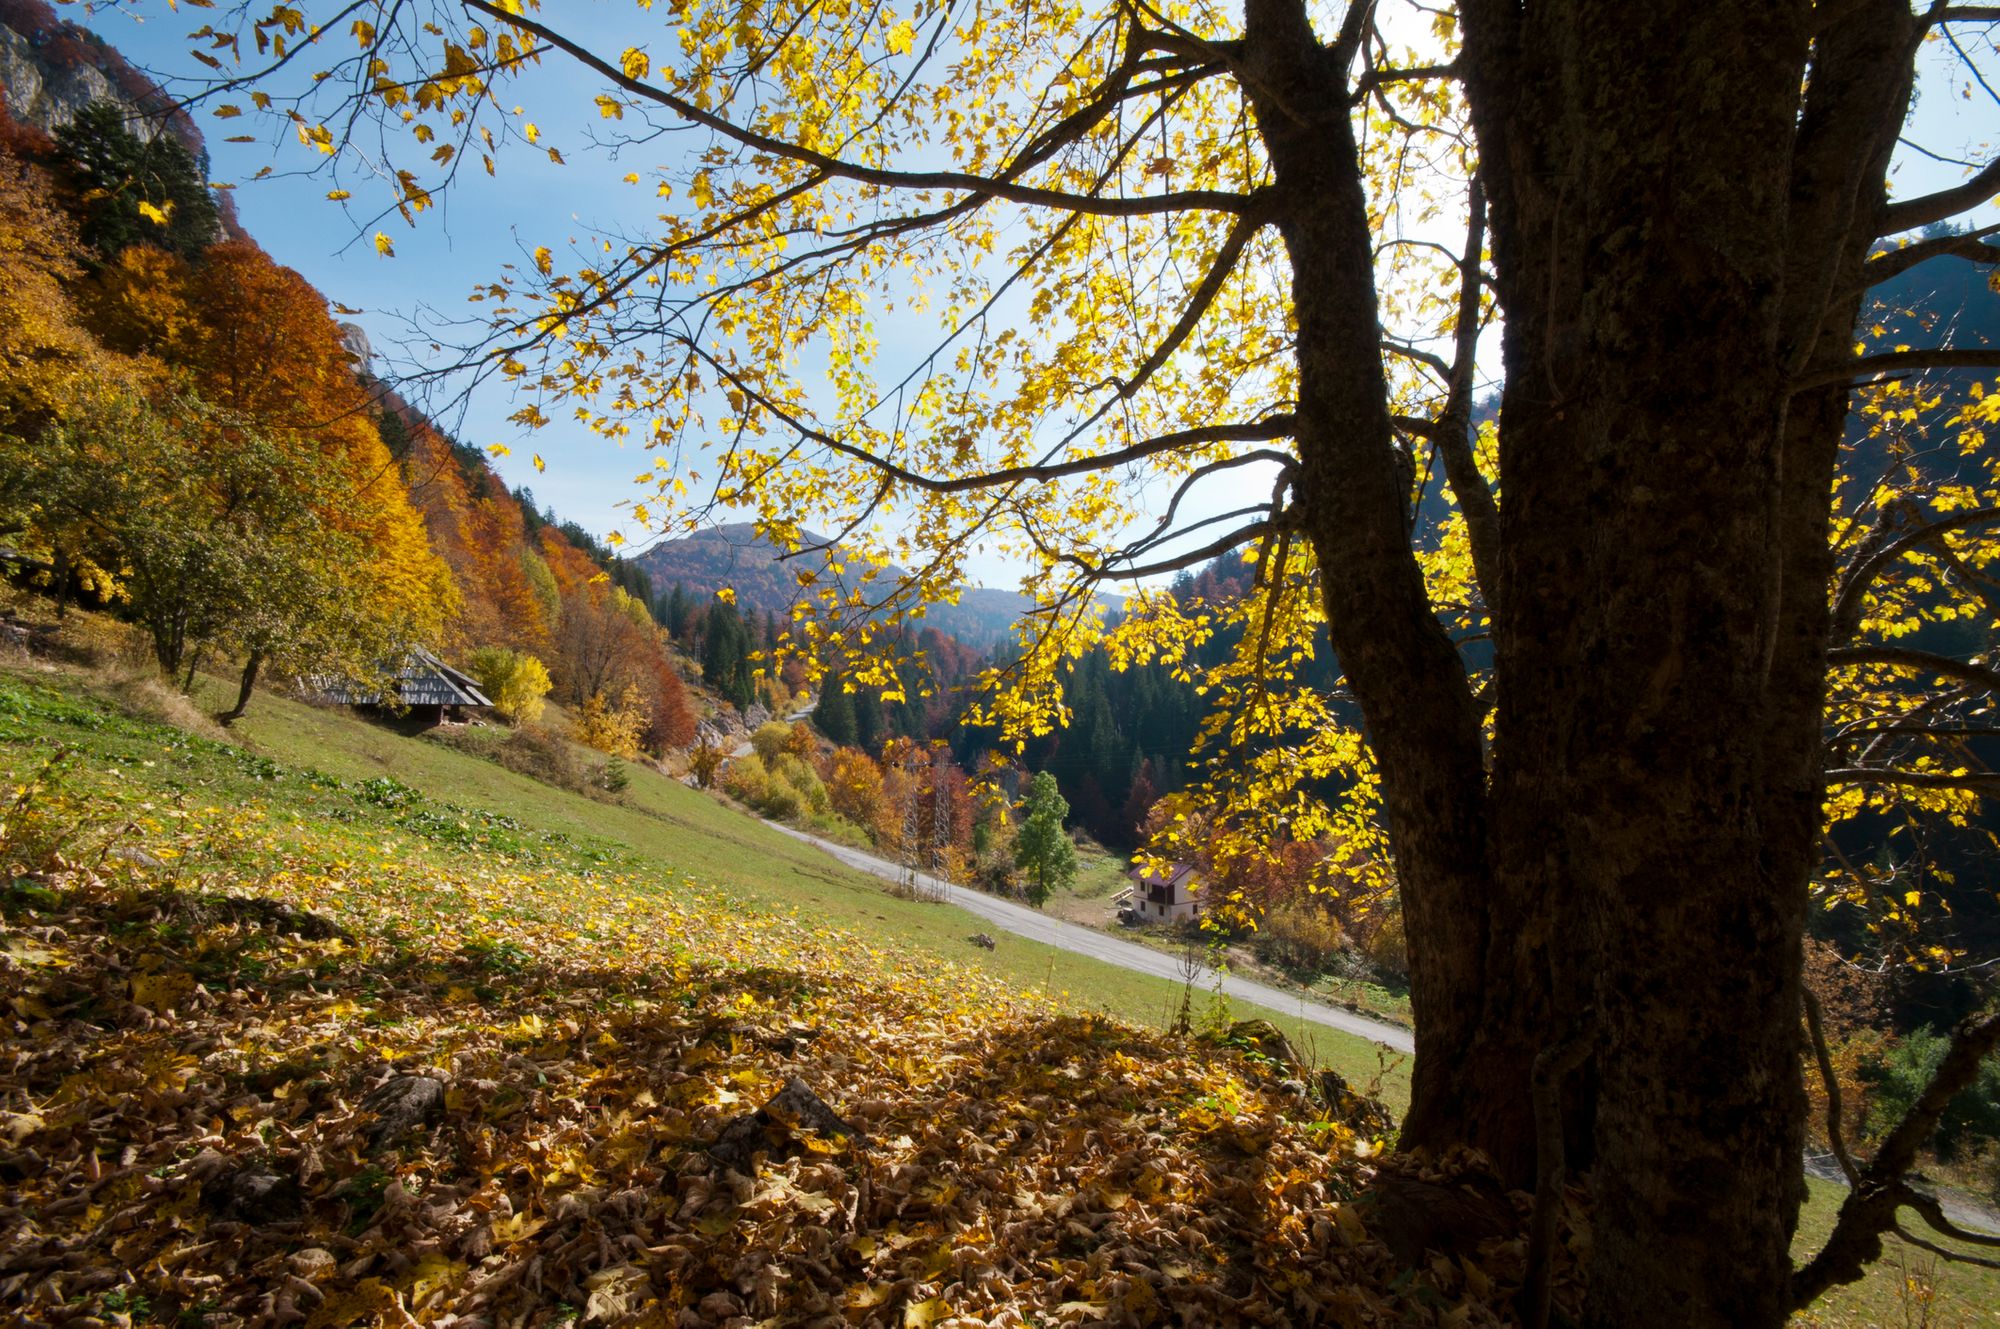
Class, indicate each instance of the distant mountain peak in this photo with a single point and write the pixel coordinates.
(737, 556)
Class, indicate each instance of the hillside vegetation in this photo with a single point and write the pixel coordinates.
(218, 963)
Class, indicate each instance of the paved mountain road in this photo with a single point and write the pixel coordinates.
(1037, 926)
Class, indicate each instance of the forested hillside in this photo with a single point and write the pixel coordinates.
(190, 441)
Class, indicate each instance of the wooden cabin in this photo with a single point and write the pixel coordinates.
(422, 688)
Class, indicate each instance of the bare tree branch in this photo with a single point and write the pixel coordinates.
(1943, 1253)
(1899, 362)
(1870, 1208)
(1253, 431)
(1894, 262)
(1932, 1212)
(1453, 435)
(1928, 208)
(1816, 1027)
(1000, 186)
(1198, 304)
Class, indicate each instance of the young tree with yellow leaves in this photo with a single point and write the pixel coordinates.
(1211, 278)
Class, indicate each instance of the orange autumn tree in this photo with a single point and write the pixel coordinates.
(509, 594)
(50, 365)
(44, 350)
(255, 340)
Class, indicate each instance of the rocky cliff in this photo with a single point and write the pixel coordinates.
(50, 69)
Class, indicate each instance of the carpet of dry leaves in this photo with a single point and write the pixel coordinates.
(213, 1012)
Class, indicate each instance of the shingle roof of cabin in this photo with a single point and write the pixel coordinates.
(421, 680)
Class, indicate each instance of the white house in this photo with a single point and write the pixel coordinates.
(1165, 897)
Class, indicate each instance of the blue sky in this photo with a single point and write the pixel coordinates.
(482, 223)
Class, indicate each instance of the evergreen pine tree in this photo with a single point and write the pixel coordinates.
(679, 611)
(722, 649)
(868, 722)
(1043, 849)
(121, 171)
(834, 715)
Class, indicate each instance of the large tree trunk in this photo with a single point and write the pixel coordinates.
(1677, 239)
(1666, 268)
(1639, 226)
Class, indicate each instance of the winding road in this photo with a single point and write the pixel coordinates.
(1037, 926)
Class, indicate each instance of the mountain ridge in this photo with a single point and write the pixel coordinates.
(734, 556)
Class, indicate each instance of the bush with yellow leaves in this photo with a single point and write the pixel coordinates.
(613, 729)
(514, 681)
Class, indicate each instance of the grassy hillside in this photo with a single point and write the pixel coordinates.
(217, 952)
(229, 975)
(662, 825)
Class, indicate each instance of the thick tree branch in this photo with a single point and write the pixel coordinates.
(1955, 1257)
(1870, 1209)
(1204, 296)
(1901, 362)
(1894, 262)
(1000, 186)
(1428, 359)
(1933, 1213)
(1928, 208)
(1454, 429)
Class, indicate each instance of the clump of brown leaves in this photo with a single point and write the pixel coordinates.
(218, 1107)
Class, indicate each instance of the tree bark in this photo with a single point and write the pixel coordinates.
(1639, 162)
(1677, 238)
(62, 577)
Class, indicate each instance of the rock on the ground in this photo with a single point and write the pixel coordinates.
(1266, 1038)
(402, 1105)
(792, 1109)
(252, 1193)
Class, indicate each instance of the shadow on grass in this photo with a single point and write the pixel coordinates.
(181, 1051)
